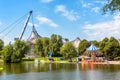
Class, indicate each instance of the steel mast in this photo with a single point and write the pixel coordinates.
(25, 25)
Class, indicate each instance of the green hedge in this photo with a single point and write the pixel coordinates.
(58, 59)
(42, 58)
(25, 59)
(117, 58)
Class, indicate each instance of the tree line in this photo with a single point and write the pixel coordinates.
(109, 47)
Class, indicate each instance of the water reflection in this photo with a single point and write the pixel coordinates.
(59, 71)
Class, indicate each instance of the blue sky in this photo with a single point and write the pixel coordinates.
(68, 18)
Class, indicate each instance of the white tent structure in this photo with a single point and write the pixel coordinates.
(94, 52)
(34, 35)
(76, 42)
(92, 48)
(32, 39)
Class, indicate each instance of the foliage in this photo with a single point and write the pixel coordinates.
(7, 53)
(117, 58)
(20, 49)
(102, 44)
(39, 47)
(96, 43)
(110, 47)
(30, 59)
(1, 45)
(55, 44)
(45, 44)
(112, 6)
(83, 45)
(14, 53)
(68, 50)
(42, 46)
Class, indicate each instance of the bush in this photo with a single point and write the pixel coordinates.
(25, 59)
(117, 58)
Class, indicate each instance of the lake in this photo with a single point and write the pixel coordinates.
(59, 71)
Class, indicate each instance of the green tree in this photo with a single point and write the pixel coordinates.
(45, 43)
(68, 50)
(102, 44)
(96, 43)
(1, 45)
(55, 44)
(14, 53)
(112, 48)
(112, 6)
(20, 49)
(39, 47)
(7, 53)
(83, 45)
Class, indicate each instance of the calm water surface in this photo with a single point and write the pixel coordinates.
(59, 71)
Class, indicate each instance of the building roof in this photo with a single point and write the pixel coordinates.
(92, 48)
(76, 42)
(34, 35)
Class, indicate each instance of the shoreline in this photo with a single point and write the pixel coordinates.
(82, 62)
(106, 62)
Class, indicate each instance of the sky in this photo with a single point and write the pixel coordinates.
(68, 18)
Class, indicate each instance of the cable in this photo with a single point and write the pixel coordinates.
(12, 29)
(12, 24)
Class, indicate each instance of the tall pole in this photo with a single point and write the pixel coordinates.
(25, 25)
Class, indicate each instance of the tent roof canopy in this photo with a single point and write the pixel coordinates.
(34, 35)
(92, 48)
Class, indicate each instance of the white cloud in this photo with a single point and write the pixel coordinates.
(96, 9)
(101, 2)
(71, 15)
(46, 1)
(45, 20)
(6, 39)
(85, 4)
(31, 24)
(103, 29)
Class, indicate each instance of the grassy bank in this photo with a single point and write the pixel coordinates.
(30, 59)
(1, 61)
(56, 59)
(46, 59)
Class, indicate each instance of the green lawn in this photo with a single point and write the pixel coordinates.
(46, 59)
(56, 59)
(25, 59)
(1, 60)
